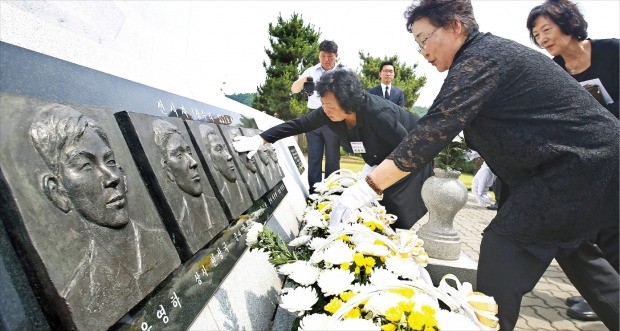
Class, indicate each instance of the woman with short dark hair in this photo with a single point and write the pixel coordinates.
(373, 124)
(539, 131)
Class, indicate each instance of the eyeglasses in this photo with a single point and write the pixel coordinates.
(387, 71)
(422, 43)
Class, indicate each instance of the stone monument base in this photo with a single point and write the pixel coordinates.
(464, 269)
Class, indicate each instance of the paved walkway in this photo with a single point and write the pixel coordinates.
(543, 308)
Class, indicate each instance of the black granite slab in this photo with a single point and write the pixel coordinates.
(297, 159)
(183, 296)
(19, 308)
(247, 167)
(268, 168)
(168, 164)
(85, 230)
(218, 163)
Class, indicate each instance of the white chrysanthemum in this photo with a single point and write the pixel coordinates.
(409, 240)
(366, 214)
(305, 231)
(423, 299)
(299, 241)
(358, 324)
(288, 268)
(320, 187)
(299, 299)
(338, 252)
(359, 288)
(315, 218)
(368, 248)
(447, 320)
(316, 243)
(382, 277)
(403, 267)
(335, 281)
(314, 322)
(313, 196)
(251, 236)
(317, 257)
(383, 301)
(362, 237)
(305, 274)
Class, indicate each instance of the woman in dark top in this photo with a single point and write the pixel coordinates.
(560, 28)
(555, 146)
(371, 123)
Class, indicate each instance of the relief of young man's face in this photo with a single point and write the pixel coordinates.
(263, 154)
(249, 163)
(93, 181)
(180, 166)
(221, 158)
(271, 150)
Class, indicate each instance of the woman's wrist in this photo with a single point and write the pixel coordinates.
(373, 186)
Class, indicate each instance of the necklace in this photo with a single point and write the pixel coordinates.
(574, 69)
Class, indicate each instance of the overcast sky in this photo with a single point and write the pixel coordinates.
(228, 38)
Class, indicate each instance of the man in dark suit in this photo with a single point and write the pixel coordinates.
(386, 89)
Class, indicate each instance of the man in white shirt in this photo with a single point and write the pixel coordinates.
(322, 139)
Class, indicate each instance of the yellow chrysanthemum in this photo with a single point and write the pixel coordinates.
(383, 258)
(367, 270)
(370, 225)
(321, 205)
(353, 313)
(333, 305)
(345, 266)
(388, 327)
(424, 320)
(406, 292)
(394, 314)
(406, 306)
(344, 238)
(359, 259)
(357, 270)
(345, 296)
(333, 184)
(369, 261)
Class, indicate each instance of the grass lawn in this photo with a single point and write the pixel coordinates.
(356, 163)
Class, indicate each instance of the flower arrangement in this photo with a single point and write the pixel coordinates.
(363, 275)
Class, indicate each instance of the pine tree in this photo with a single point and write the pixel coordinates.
(294, 47)
(405, 78)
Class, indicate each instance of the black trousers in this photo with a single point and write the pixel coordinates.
(507, 270)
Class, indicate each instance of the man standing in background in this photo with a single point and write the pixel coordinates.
(386, 89)
(322, 139)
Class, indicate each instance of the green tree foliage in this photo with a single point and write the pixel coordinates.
(244, 98)
(293, 48)
(405, 78)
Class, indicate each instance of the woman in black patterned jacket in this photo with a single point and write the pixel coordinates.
(538, 130)
(559, 27)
